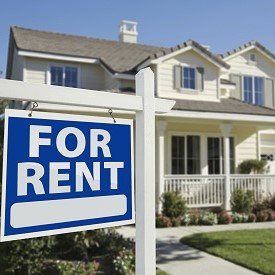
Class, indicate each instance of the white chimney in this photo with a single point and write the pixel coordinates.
(128, 31)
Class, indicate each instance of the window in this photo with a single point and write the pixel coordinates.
(215, 155)
(64, 76)
(188, 78)
(253, 89)
(186, 155)
(252, 57)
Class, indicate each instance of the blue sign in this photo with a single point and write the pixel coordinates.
(65, 173)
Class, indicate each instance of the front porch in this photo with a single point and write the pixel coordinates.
(198, 154)
(210, 190)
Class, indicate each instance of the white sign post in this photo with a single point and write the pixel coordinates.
(145, 106)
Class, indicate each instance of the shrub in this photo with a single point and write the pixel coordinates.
(162, 221)
(176, 222)
(186, 220)
(252, 165)
(224, 218)
(242, 201)
(124, 262)
(62, 267)
(173, 205)
(251, 217)
(272, 202)
(194, 216)
(262, 216)
(26, 256)
(239, 218)
(208, 218)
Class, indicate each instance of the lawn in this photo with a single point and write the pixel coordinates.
(254, 249)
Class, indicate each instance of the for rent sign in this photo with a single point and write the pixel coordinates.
(65, 173)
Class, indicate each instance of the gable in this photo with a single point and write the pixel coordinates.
(241, 64)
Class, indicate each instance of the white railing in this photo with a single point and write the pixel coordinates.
(262, 186)
(209, 190)
(197, 190)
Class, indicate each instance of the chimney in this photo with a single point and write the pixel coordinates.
(128, 31)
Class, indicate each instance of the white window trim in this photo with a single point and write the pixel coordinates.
(253, 87)
(63, 65)
(188, 90)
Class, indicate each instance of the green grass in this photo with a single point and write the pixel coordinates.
(254, 249)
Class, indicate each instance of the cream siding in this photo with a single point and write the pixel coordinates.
(246, 143)
(165, 77)
(262, 67)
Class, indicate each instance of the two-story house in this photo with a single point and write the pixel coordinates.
(224, 112)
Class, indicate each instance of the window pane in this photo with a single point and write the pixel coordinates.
(193, 155)
(213, 149)
(188, 78)
(248, 89)
(232, 155)
(56, 75)
(71, 77)
(178, 155)
(259, 90)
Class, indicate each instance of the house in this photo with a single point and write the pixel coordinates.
(224, 112)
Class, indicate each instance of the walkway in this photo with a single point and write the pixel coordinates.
(178, 259)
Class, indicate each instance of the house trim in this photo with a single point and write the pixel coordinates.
(220, 116)
(58, 57)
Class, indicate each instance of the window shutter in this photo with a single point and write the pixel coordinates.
(237, 79)
(177, 77)
(200, 79)
(269, 93)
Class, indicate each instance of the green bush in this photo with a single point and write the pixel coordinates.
(239, 218)
(252, 165)
(124, 262)
(208, 218)
(25, 256)
(242, 201)
(173, 206)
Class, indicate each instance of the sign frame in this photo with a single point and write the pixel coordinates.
(145, 107)
(62, 117)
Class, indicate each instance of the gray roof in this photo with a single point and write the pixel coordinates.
(117, 56)
(246, 45)
(226, 105)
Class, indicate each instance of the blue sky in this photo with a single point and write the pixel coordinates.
(221, 24)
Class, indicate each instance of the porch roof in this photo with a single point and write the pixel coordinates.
(225, 105)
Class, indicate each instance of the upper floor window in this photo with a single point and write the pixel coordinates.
(253, 89)
(64, 76)
(188, 78)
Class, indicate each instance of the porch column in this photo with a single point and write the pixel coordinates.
(226, 130)
(161, 128)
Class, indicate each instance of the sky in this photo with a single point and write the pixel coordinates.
(221, 24)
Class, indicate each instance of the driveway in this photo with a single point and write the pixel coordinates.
(178, 259)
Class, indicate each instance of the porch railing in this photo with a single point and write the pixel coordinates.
(209, 190)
